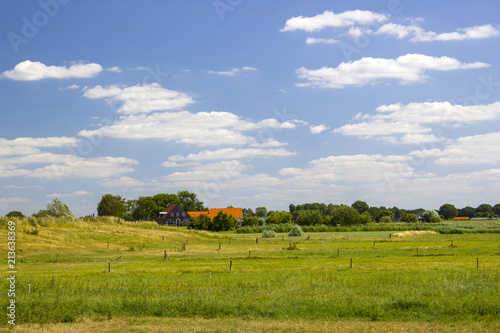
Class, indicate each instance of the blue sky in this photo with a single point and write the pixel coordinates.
(250, 103)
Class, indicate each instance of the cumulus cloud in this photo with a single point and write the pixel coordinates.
(33, 71)
(141, 98)
(313, 40)
(413, 120)
(27, 145)
(405, 69)
(318, 129)
(331, 19)
(351, 168)
(476, 149)
(418, 34)
(231, 154)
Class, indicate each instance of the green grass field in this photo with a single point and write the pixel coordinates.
(425, 282)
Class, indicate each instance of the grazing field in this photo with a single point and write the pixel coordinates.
(89, 275)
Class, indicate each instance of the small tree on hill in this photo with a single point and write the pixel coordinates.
(15, 213)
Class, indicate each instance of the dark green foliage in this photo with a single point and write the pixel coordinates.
(467, 211)
(431, 216)
(409, 218)
(386, 212)
(15, 213)
(261, 211)
(190, 202)
(201, 222)
(360, 206)
(279, 218)
(111, 205)
(223, 222)
(311, 217)
(251, 221)
(344, 215)
(448, 211)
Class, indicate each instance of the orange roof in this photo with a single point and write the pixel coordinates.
(236, 212)
(196, 214)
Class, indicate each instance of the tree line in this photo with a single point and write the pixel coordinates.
(147, 208)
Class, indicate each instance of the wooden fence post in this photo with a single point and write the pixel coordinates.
(257, 240)
(230, 265)
(350, 264)
(109, 267)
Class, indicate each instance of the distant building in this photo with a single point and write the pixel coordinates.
(174, 215)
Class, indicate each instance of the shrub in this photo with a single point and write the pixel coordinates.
(296, 231)
(267, 233)
(385, 219)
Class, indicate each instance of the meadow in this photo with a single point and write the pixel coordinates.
(119, 276)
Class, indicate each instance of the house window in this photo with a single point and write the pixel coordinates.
(183, 214)
(178, 214)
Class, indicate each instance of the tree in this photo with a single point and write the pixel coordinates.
(484, 210)
(360, 206)
(310, 217)
(448, 211)
(261, 211)
(163, 200)
(111, 205)
(467, 211)
(146, 209)
(248, 212)
(409, 218)
(431, 216)
(344, 215)
(251, 221)
(201, 222)
(496, 209)
(190, 202)
(296, 231)
(279, 218)
(14, 213)
(57, 208)
(374, 211)
(223, 222)
(386, 212)
(365, 218)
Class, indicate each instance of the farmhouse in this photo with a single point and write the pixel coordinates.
(174, 215)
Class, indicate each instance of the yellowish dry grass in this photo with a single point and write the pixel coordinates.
(414, 233)
(240, 325)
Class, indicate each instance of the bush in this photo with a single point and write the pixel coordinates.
(267, 233)
(385, 219)
(296, 231)
(409, 218)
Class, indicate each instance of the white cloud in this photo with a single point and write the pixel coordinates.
(231, 154)
(318, 129)
(378, 127)
(123, 182)
(313, 40)
(114, 69)
(232, 71)
(331, 19)
(476, 150)
(418, 34)
(141, 98)
(407, 120)
(69, 195)
(73, 86)
(351, 168)
(27, 145)
(33, 71)
(201, 129)
(4, 201)
(405, 69)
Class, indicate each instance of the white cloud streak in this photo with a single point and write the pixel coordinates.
(34, 71)
(331, 19)
(405, 69)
